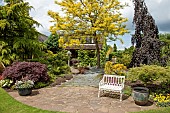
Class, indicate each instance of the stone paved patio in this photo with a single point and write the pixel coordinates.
(78, 100)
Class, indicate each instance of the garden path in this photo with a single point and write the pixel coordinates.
(78, 100)
(90, 78)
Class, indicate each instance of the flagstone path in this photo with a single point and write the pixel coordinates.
(79, 95)
(78, 100)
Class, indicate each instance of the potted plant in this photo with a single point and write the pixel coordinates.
(140, 95)
(24, 87)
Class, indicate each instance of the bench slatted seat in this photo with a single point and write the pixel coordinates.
(112, 83)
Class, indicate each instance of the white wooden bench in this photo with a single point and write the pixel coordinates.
(112, 83)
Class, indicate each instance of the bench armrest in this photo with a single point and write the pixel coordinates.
(101, 82)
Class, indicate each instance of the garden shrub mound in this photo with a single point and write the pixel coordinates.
(118, 69)
(34, 71)
(156, 78)
(149, 74)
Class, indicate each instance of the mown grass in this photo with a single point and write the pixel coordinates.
(10, 105)
(160, 110)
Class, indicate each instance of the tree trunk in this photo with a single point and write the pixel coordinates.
(98, 53)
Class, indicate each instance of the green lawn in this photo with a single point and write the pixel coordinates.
(10, 105)
(160, 110)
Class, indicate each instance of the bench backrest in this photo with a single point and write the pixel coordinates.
(113, 80)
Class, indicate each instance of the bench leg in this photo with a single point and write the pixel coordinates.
(120, 95)
(99, 93)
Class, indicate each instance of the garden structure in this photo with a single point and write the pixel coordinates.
(42, 37)
(88, 45)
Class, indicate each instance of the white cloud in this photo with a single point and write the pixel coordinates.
(159, 1)
(1, 2)
(39, 13)
(157, 8)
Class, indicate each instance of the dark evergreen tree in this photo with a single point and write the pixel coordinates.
(114, 48)
(146, 38)
(52, 43)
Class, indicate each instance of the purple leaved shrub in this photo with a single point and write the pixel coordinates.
(34, 71)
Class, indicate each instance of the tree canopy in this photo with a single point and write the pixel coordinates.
(95, 19)
(165, 38)
(146, 38)
(17, 32)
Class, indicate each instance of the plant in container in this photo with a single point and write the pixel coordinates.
(140, 95)
(24, 87)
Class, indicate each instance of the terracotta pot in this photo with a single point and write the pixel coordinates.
(24, 91)
(140, 95)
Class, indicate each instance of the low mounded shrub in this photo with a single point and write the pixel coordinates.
(56, 63)
(108, 67)
(34, 71)
(125, 59)
(149, 73)
(6, 83)
(118, 69)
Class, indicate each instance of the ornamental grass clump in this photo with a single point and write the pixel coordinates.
(24, 84)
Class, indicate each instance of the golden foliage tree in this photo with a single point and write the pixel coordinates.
(96, 19)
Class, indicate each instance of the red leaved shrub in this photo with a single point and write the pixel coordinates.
(34, 71)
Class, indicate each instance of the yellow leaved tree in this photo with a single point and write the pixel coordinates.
(96, 19)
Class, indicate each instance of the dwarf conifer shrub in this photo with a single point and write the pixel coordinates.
(149, 73)
(34, 71)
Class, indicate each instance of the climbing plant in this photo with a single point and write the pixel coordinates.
(146, 38)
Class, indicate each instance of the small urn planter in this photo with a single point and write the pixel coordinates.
(140, 95)
(24, 91)
(24, 87)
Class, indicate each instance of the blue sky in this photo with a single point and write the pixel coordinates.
(159, 9)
